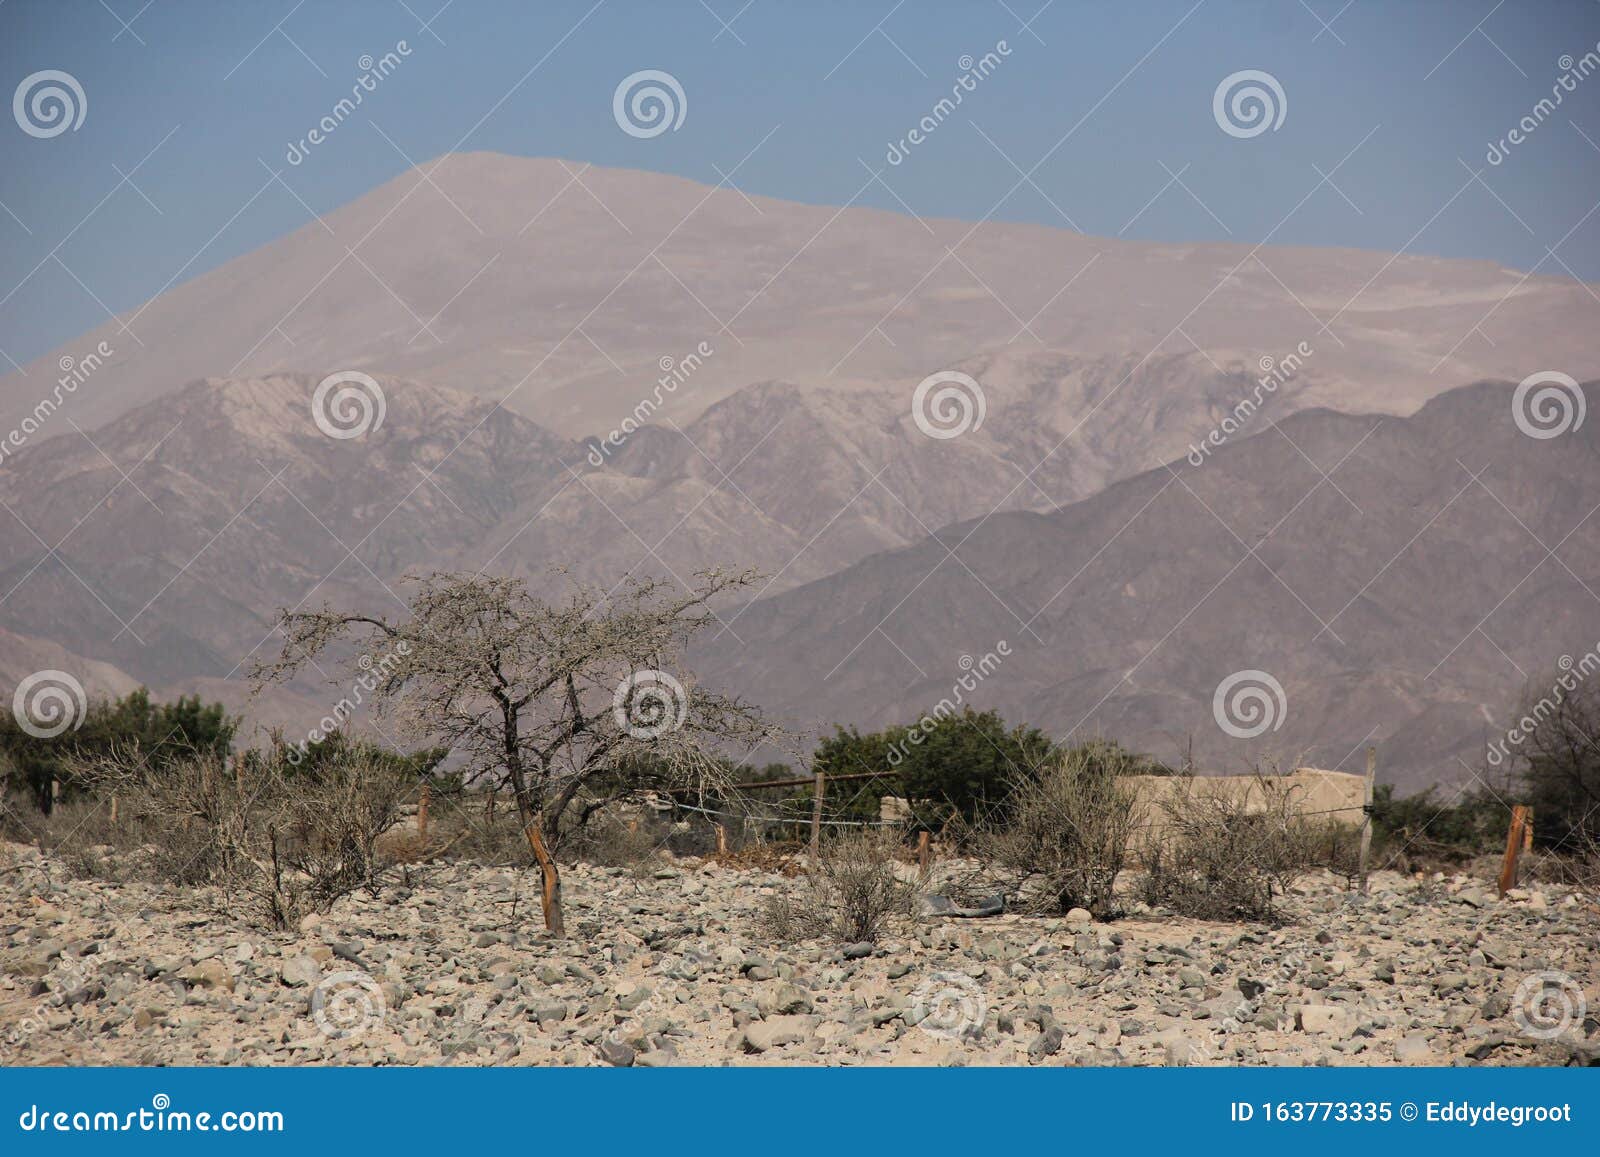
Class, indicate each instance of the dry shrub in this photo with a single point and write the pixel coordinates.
(1224, 854)
(1063, 837)
(1336, 846)
(1577, 864)
(855, 894)
(286, 841)
(609, 840)
(323, 832)
(1586, 868)
(81, 834)
(461, 827)
(464, 828)
(20, 821)
(179, 824)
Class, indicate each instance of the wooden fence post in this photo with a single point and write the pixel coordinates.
(820, 786)
(924, 851)
(1366, 815)
(1515, 838)
(422, 813)
(722, 840)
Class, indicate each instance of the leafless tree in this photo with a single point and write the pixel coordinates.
(569, 705)
(1552, 756)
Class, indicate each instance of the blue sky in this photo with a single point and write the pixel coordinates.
(189, 99)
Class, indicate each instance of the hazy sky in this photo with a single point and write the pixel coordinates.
(1107, 107)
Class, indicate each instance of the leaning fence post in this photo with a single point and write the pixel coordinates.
(1366, 814)
(1515, 837)
(821, 786)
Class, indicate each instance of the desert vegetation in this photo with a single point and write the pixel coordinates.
(567, 706)
(569, 740)
(1059, 838)
(539, 709)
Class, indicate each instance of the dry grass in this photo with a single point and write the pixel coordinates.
(785, 858)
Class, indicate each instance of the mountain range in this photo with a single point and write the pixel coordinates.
(1346, 536)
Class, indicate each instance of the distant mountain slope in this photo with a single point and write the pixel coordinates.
(235, 503)
(568, 283)
(516, 310)
(21, 656)
(1401, 602)
(1123, 610)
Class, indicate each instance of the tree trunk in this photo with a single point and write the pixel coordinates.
(530, 814)
(550, 897)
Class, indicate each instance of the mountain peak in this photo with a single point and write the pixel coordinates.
(559, 287)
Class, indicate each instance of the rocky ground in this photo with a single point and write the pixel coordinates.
(670, 967)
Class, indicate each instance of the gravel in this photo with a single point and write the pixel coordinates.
(671, 968)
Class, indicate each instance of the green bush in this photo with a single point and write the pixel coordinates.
(1417, 829)
(158, 734)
